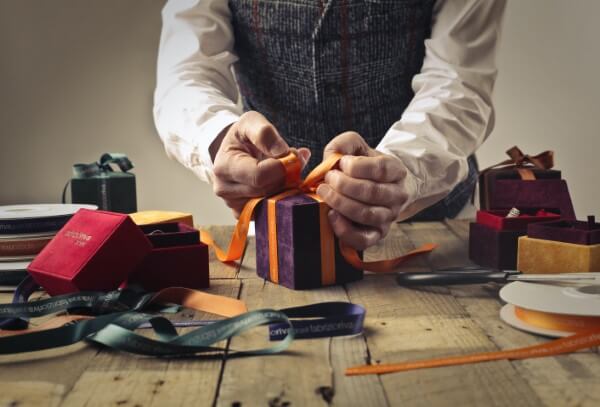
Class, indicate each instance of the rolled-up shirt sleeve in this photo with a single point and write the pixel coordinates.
(196, 94)
(451, 113)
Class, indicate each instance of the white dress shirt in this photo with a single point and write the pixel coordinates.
(450, 115)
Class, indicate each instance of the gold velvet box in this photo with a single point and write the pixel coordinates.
(549, 256)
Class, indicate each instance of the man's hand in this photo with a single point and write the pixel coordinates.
(245, 163)
(366, 194)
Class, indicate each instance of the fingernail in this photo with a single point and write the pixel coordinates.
(322, 190)
(344, 161)
(304, 154)
(332, 215)
(279, 149)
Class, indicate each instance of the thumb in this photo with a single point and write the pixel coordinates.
(348, 143)
(304, 155)
(264, 136)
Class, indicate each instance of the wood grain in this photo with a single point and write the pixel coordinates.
(401, 324)
(411, 324)
(116, 378)
(310, 373)
(562, 380)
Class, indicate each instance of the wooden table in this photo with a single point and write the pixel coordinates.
(402, 324)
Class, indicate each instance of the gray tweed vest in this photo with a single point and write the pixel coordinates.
(317, 68)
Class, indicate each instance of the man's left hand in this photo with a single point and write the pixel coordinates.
(365, 194)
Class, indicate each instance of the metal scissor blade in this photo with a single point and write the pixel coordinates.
(587, 278)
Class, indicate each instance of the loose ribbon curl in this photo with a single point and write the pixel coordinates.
(294, 186)
(586, 335)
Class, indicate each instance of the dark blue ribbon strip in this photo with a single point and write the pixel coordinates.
(33, 225)
(120, 313)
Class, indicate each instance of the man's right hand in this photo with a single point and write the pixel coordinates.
(245, 163)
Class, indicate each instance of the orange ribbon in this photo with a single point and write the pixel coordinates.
(587, 335)
(308, 186)
(559, 322)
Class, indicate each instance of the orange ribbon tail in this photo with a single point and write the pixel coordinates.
(382, 266)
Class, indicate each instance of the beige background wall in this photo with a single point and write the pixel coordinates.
(76, 80)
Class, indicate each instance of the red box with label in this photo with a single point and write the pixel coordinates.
(496, 219)
(178, 258)
(94, 251)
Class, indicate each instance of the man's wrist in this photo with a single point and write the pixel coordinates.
(213, 148)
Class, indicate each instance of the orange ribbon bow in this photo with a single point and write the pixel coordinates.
(295, 185)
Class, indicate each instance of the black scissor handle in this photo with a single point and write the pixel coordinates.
(451, 278)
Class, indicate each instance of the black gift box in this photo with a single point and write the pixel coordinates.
(100, 185)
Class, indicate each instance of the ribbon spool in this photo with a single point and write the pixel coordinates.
(294, 185)
(555, 311)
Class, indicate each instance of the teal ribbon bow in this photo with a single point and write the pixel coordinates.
(103, 165)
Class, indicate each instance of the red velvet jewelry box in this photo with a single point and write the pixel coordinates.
(95, 250)
(493, 239)
(178, 258)
(496, 219)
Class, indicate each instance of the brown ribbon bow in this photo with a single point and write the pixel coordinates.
(525, 162)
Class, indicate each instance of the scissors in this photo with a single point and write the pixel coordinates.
(478, 275)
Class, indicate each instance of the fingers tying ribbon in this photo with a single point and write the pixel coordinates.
(295, 186)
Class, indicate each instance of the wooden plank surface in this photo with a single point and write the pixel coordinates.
(116, 378)
(402, 324)
(309, 374)
(562, 380)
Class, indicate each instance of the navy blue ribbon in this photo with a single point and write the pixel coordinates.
(33, 225)
(120, 313)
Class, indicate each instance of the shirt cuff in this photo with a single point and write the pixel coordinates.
(208, 132)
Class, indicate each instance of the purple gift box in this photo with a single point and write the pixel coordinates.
(298, 245)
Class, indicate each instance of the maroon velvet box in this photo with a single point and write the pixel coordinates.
(95, 250)
(568, 231)
(496, 219)
(178, 258)
(298, 245)
(492, 197)
(496, 249)
(550, 194)
(494, 241)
